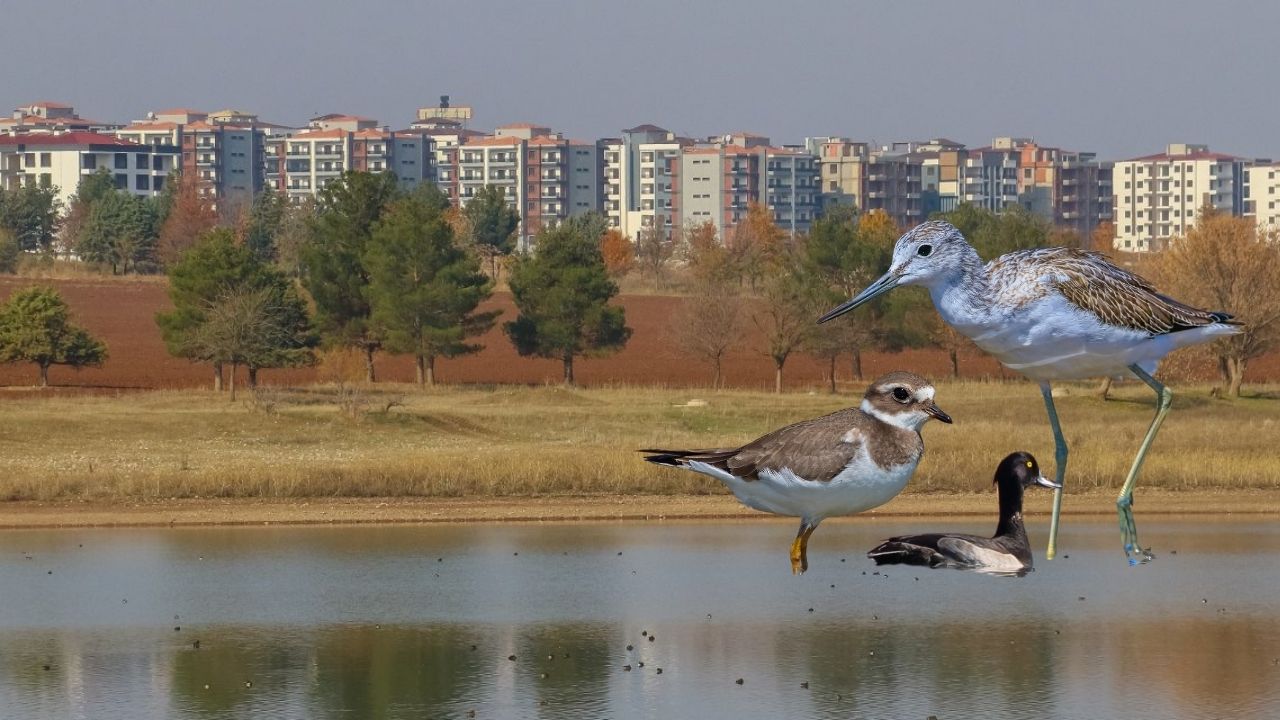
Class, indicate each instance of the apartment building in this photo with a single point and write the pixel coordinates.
(1263, 200)
(1070, 189)
(842, 170)
(61, 161)
(906, 180)
(990, 177)
(302, 164)
(225, 151)
(1158, 197)
(721, 179)
(545, 176)
(49, 117)
(641, 180)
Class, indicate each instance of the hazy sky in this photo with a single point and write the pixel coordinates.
(1119, 77)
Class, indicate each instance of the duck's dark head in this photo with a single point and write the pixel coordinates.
(1018, 471)
(1015, 473)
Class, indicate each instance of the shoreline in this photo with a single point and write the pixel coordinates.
(230, 512)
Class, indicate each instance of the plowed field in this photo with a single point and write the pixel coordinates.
(122, 312)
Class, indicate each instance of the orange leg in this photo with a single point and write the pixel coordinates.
(800, 548)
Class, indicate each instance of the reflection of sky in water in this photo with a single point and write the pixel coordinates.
(367, 622)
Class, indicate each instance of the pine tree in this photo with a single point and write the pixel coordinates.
(334, 273)
(36, 327)
(562, 291)
(423, 287)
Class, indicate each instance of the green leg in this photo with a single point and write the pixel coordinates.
(1124, 504)
(1060, 460)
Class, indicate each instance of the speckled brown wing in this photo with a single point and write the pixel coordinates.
(816, 449)
(1118, 297)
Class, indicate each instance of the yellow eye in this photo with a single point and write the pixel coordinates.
(1028, 463)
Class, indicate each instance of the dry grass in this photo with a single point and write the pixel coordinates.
(532, 440)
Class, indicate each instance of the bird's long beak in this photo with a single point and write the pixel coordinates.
(887, 282)
(1046, 482)
(935, 412)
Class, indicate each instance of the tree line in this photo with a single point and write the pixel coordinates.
(376, 268)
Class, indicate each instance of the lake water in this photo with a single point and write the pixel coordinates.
(420, 621)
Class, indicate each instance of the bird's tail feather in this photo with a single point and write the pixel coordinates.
(892, 552)
(681, 458)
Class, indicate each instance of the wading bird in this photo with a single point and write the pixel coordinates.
(1052, 314)
(1007, 552)
(846, 462)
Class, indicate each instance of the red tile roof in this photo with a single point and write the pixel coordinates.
(71, 138)
(321, 134)
(492, 140)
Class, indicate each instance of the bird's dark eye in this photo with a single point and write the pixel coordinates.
(901, 395)
(925, 250)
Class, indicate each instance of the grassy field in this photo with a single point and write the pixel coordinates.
(326, 442)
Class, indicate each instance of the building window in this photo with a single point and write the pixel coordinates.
(46, 180)
(89, 162)
(157, 184)
(46, 159)
(141, 182)
(122, 181)
(143, 161)
(29, 159)
(122, 161)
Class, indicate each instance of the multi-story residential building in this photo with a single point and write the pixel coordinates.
(894, 184)
(302, 164)
(911, 179)
(991, 175)
(641, 180)
(1158, 197)
(446, 135)
(1263, 202)
(224, 151)
(1071, 189)
(49, 117)
(842, 170)
(61, 160)
(720, 180)
(545, 176)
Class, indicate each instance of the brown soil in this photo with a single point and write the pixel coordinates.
(122, 312)
(1249, 503)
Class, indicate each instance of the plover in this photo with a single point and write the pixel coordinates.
(1007, 552)
(1052, 314)
(846, 462)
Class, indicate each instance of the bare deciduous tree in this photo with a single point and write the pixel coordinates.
(791, 299)
(1226, 263)
(709, 324)
(653, 252)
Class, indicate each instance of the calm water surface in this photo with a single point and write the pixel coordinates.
(414, 621)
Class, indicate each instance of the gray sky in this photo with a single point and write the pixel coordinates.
(1119, 77)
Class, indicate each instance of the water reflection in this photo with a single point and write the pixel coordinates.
(415, 622)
